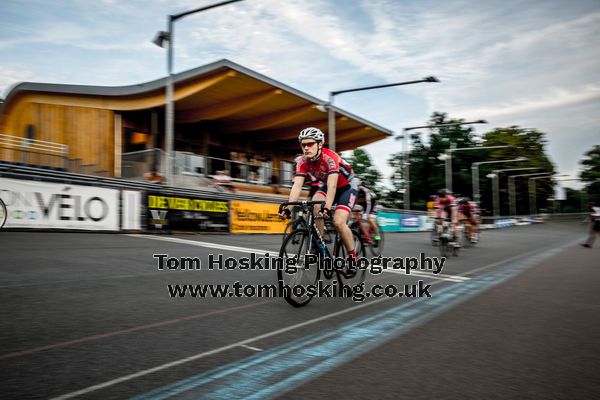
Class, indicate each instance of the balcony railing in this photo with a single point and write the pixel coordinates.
(135, 164)
(33, 152)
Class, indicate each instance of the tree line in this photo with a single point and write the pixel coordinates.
(427, 168)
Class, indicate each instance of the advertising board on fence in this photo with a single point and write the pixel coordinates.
(185, 213)
(399, 222)
(43, 205)
(388, 222)
(251, 217)
(410, 223)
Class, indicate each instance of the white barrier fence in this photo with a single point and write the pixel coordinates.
(39, 205)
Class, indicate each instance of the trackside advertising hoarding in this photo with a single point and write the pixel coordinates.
(251, 217)
(400, 222)
(174, 212)
(42, 205)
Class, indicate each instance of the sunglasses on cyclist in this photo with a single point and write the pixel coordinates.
(308, 144)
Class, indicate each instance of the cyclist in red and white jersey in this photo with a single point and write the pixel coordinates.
(338, 183)
(446, 207)
(469, 213)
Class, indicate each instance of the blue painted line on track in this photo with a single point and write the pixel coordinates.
(283, 368)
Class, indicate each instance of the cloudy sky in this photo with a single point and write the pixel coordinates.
(531, 63)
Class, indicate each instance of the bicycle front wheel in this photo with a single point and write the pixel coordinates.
(289, 228)
(435, 238)
(443, 245)
(295, 281)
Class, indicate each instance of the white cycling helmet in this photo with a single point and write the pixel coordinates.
(311, 133)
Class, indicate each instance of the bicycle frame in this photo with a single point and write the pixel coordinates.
(309, 224)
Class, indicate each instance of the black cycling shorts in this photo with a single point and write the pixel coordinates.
(345, 197)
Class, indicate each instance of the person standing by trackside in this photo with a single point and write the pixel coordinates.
(594, 225)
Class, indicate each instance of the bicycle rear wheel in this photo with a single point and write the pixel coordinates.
(377, 246)
(294, 281)
(3, 213)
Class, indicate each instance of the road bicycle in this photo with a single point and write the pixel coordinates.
(3, 213)
(328, 234)
(463, 234)
(466, 239)
(445, 237)
(306, 239)
(355, 223)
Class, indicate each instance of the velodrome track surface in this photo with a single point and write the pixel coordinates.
(88, 315)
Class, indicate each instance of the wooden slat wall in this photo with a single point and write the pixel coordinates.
(89, 133)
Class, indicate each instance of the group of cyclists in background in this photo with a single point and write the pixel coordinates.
(459, 212)
(331, 180)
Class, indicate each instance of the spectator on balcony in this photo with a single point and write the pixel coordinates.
(222, 181)
(154, 177)
(243, 163)
(255, 169)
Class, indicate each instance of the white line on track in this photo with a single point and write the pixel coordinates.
(251, 348)
(214, 351)
(441, 277)
(242, 342)
(247, 250)
(207, 245)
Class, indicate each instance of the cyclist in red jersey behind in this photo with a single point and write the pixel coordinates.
(469, 213)
(446, 207)
(339, 185)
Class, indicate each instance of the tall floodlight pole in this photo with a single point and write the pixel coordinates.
(496, 186)
(512, 190)
(475, 174)
(406, 165)
(532, 191)
(448, 158)
(331, 109)
(160, 39)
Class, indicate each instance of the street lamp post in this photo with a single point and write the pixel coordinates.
(533, 194)
(159, 40)
(475, 174)
(496, 186)
(331, 109)
(406, 165)
(512, 191)
(447, 156)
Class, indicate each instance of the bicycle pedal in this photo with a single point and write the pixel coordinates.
(349, 272)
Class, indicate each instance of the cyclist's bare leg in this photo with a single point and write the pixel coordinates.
(364, 226)
(474, 228)
(317, 209)
(373, 223)
(469, 224)
(340, 221)
(454, 215)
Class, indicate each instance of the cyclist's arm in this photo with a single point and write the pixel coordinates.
(331, 188)
(296, 188)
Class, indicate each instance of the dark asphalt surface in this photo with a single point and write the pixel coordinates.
(87, 311)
